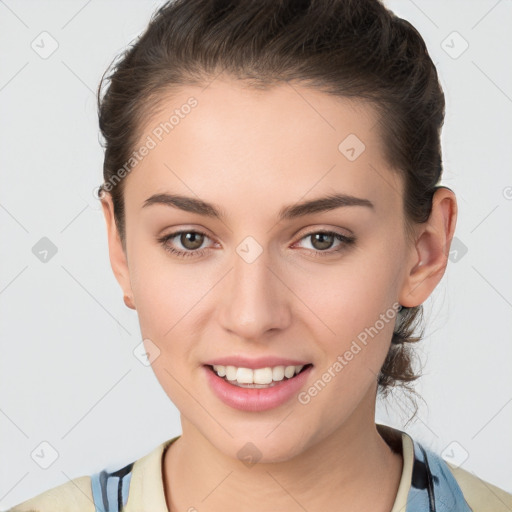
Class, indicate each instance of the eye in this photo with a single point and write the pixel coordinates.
(323, 240)
(191, 240)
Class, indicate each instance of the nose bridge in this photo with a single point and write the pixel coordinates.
(254, 302)
(251, 271)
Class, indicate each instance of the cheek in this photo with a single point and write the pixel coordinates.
(349, 295)
(160, 291)
(350, 310)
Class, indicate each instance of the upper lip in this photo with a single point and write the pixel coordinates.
(255, 362)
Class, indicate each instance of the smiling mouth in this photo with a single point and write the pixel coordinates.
(258, 378)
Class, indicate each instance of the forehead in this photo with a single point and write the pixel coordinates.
(229, 140)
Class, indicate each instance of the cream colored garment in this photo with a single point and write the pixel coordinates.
(147, 489)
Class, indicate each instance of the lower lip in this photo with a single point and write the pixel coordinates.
(255, 399)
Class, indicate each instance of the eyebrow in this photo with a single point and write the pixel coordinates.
(322, 204)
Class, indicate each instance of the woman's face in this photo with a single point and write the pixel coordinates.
(262, 288)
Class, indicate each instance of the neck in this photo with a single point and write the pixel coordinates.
(351, 469)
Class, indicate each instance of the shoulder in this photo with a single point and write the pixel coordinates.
(435, 480)
(480, 495)
(72, 496)
(107, 489)
(429, 482)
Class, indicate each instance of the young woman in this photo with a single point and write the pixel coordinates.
(274, 214)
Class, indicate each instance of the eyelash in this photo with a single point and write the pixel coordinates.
(347, 241)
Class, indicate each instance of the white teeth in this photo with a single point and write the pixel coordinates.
(230, 372)
(257, 376)
(278, 373)
(262, 376)
(289, 371)
(244, 376)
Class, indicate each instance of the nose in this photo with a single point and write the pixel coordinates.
(255, 299)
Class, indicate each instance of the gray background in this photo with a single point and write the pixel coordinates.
(68, 375)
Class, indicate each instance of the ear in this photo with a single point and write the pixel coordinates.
(118, 259)
(429, 256)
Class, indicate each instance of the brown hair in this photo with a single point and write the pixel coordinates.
(348, 48)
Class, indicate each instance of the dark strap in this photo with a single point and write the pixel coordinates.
(110, 489)
(433, 486)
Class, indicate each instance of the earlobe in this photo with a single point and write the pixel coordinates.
(128, 302)
(432, 248)
(117, 256)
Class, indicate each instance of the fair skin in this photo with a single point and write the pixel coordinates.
(251, 153)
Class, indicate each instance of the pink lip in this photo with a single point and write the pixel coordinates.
(255, 399)
(257, 362)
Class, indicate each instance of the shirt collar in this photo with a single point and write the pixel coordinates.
(147, 485)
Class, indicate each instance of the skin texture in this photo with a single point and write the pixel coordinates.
(252, 152)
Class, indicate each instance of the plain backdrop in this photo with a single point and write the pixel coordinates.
(70, 385)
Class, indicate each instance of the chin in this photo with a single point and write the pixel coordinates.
(264, 448)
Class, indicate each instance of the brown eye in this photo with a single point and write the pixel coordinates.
(188, 243)
(191, 240)
(322, 241)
